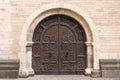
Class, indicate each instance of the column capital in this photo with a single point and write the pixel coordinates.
(29, 44)
(89, 43)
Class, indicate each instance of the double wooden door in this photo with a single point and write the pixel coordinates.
(59, 51)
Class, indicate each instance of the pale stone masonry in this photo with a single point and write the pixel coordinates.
(100, 17)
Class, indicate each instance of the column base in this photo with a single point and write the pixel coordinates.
(23, 73)
(88, 71)
(30, 72)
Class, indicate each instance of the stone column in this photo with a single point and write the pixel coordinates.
(89, 68)
(29, 59)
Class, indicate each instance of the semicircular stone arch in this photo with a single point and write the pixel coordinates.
(61, 11)
(48, 10)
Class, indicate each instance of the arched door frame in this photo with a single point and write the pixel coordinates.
(25, 54)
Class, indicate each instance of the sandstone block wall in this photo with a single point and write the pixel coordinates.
(104, 13)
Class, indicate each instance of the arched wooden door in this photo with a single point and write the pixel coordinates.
(59, 46)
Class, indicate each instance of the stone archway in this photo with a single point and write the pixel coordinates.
(52, 9)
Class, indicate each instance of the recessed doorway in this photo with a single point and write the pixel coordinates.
(59, 46)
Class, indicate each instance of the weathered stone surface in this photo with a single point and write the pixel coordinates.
(9, 68)
(110, 67)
